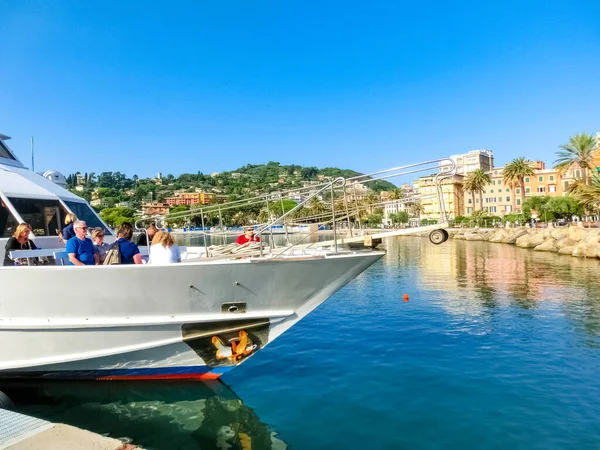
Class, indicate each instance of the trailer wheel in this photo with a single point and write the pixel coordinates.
(437, 237)
(446, 235)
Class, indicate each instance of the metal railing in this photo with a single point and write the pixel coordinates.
(444, 168)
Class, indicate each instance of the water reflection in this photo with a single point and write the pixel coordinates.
(478, 277)
(155, 415)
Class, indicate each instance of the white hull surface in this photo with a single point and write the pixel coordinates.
(189, 320)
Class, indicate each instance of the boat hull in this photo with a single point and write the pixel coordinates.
(192, 320)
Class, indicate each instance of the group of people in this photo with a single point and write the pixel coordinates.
(83, 251)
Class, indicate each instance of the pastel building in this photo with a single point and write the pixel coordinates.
(500, 199)
(453, 196)
(190, 198)
(474, 159)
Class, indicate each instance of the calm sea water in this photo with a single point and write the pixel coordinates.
(497, 348)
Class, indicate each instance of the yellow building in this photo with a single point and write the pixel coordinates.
(452, 194)
(500, 199)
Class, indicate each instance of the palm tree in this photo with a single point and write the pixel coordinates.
(416, 209)
(370, 200)
(514, 173)
(396, 194)
(579, 152)
(476, 181)
(587, 194)
(316, 205)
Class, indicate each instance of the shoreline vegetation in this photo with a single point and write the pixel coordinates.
(573, 241)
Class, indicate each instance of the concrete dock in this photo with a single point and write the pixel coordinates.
(21, 432)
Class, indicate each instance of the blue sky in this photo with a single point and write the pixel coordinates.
(142, 87)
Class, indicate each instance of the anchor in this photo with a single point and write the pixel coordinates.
(237, 349)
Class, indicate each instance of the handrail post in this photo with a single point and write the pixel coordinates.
(204, 231)
(287, 238)
(357, 208)
(347, 213)
(333, 215)
(271, 225)
(221, 226)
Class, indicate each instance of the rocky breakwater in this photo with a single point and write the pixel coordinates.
(574, 241)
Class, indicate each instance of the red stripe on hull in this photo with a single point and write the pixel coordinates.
(176, 376)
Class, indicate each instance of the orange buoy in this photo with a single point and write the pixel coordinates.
(405, 297)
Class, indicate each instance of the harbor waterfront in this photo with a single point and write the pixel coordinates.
(572, 241)
(496, 347)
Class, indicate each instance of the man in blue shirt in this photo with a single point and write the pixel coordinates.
(80, 248)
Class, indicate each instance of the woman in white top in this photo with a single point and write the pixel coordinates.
(164, 250)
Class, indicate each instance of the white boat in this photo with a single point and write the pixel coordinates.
(197, 319)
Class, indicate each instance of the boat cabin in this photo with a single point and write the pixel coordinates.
(40, 200)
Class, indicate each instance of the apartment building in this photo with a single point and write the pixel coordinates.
(155, 208)
(395, 206)
(472, 160)
(500, 199)
(356, 191)
(190, 198)
(453, 196)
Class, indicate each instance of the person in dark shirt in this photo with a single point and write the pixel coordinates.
(248, 236)
(151, 230)
(19, 241)
(130, 253)
(68, 232)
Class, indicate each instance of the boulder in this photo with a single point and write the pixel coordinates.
(566, 242)
(536, 239)
(523, 241)
(566, 250)
(474, 236)
(592, 236)
(577, 233)
(559, 233)
(500, 235)
(586, 250)
(549, 245)
(514, 235)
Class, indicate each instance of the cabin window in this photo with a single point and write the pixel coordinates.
(45, 216)
(84, 212)
(8, 224)
(4, 153)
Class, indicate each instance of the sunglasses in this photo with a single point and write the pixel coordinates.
(82, 228)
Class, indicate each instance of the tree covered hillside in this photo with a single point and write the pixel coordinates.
(246, 181)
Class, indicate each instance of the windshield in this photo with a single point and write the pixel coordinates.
(85, 213)
(45, 216)
(8, 223)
